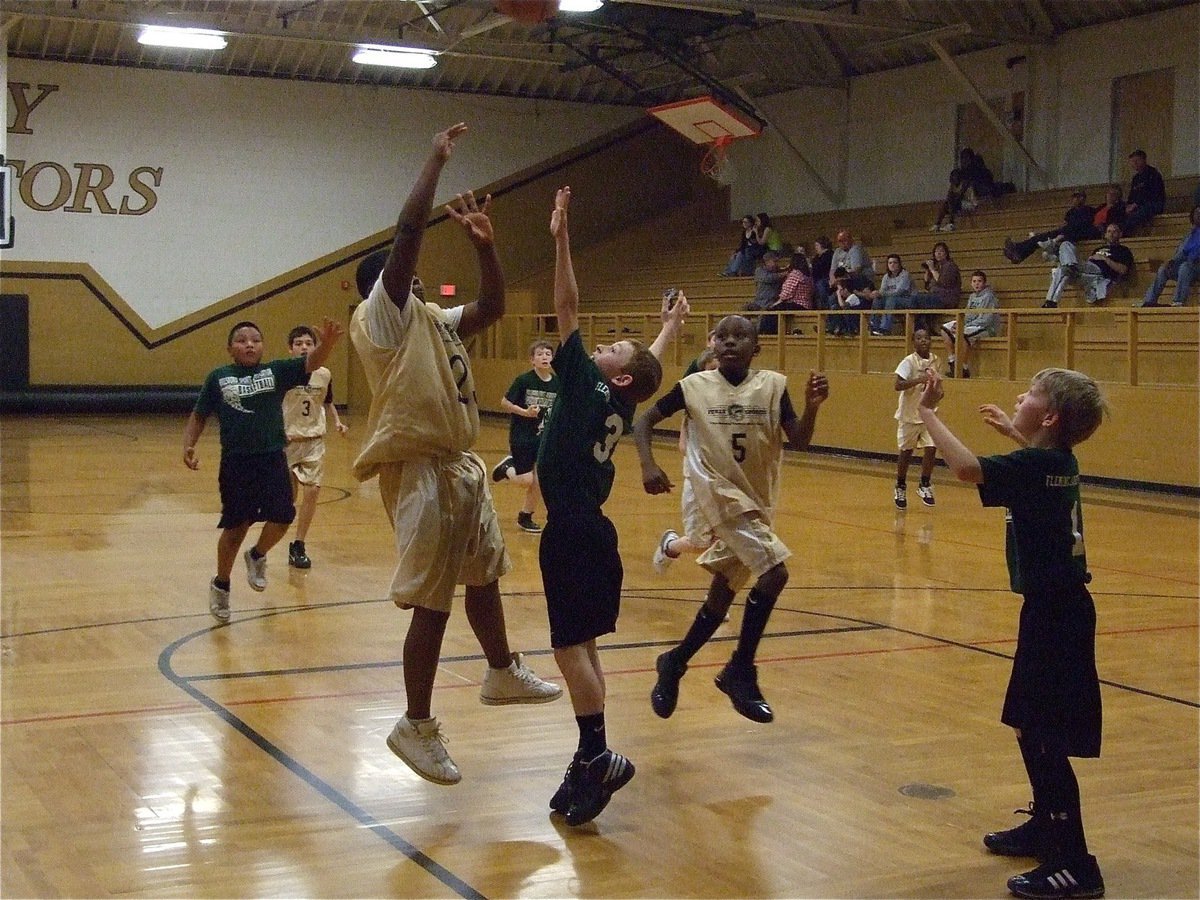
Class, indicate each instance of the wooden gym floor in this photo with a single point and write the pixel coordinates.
(147, 753)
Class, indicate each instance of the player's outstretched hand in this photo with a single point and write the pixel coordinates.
(656, 482)
(190, 459)
(675, 310)
(330, 331)
(558, 218)
(933, 393)
(998, 419)
(342, 427)
(473, 218)
(443, 141)
(816, 390)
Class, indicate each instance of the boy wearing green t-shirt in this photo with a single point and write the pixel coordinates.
(527, 402)
(594, 406)
(1053, 697)
(247, 397)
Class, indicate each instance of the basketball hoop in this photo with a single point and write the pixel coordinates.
(715, 163)
(705, 120)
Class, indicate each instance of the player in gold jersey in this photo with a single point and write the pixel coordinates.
(737, 417)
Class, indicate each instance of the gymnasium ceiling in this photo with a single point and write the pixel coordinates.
(630, 52)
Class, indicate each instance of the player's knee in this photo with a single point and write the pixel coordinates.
(773, 581)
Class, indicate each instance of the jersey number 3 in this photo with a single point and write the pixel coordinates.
(603, 449)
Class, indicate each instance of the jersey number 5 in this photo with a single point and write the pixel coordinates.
(739, 449)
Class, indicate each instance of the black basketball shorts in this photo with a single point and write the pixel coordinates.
(255, 488)
(582, 574)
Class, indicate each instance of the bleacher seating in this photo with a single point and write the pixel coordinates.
(628, 292)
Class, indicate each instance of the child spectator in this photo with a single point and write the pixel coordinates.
(796, 292)
(1053, 697)
(423, 420)
(1112, 212)
(527, 402)
(848, 301)
(911, 433)
(733, 460)
(305, 411)
(596, 400)
(976, 326)
(247, 397)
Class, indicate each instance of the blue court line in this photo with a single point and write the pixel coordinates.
(438, 871)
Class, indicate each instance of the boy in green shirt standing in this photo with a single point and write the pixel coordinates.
(527, 402)
(1053, 697)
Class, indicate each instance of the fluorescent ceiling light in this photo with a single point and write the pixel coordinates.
(188, 38)
(579, 6)
(396, 57)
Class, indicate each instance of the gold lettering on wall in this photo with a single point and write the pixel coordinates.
(143, 190)
(85, 188)
(23, 106)
(47, 186)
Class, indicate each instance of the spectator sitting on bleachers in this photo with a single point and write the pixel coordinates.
(980, 182)
(796, 291)
(1183, 266)
(943, 285)
(768, 279)
(1147, 193)
(976, 325)
(1112, 212)
(1109, 262)
(766, 235)
(822, 265)
(1077, 226)
(744, 258)
(846, 299)
(952, 205)
(851, 256)
(895, 292)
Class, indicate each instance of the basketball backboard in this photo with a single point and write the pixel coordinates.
(705, 119)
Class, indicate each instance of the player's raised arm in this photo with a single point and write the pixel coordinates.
(674, 313)
(960, 460)
(473, 217)
(566, 290)
(410, 228)
(327, 336)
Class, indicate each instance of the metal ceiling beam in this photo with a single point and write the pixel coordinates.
(294, 34)
(834, 197)
(787, 11)
(1040, 16)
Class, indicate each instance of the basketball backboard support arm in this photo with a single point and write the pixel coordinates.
(834, 197)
